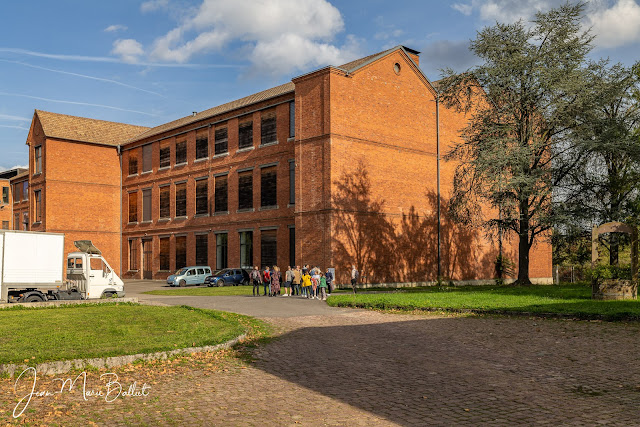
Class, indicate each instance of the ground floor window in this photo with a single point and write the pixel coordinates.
(133, 254)
(221, 251)
(181, 252)
(164, 253)
(292, 246)
(246, 249)
(202, 252)
(268, 248)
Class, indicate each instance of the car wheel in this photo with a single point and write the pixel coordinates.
(183, 283)
(245, 282)
(220, 283)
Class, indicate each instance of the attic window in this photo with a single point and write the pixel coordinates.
(396, 68)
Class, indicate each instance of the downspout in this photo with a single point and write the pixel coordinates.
(120, 160)
(438, 182)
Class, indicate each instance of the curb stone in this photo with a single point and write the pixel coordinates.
(63, 366)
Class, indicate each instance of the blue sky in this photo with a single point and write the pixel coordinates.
(149, 62)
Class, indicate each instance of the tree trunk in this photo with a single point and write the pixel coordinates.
(523, 245)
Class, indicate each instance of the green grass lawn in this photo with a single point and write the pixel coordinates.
(85, 331)
(205, 291)
(573, 300)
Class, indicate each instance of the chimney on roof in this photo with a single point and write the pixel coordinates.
(194, 113)
(414, 54)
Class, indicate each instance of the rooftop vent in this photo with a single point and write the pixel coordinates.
(194, 113)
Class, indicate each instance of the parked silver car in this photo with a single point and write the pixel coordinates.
(189, 276)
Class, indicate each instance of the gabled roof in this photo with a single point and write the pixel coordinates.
(83, 129)
(21, 174)
(220, 109)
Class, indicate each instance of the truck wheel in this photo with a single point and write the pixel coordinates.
(107, 295)
(183, 283)
(33, 298)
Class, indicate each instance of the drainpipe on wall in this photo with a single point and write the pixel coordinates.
(438, 180)
(120, 160)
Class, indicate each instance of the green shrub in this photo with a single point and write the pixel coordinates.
(602, 272)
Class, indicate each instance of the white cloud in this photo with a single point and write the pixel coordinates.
(153, 5)
(2, 168)
(463, 8)
(298, 33)
(615, 26)
(115, 28)
(129, 50)
(11, 117)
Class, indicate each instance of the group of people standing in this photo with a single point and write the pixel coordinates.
(305, 282)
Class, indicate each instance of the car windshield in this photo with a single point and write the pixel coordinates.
(181, 272)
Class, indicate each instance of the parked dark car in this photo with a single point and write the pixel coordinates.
(228, 277)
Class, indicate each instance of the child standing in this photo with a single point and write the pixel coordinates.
(306, 285)
(323, 288)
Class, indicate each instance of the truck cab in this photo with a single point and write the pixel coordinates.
(91, 274)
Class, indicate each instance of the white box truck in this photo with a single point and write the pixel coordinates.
(32, 264)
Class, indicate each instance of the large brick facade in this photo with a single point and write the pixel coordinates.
(348, 162)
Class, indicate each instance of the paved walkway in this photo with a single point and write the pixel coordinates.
(368, 368)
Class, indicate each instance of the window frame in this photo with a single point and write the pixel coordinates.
(180, 187)
(202, 200)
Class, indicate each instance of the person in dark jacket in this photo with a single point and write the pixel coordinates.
(329, 277)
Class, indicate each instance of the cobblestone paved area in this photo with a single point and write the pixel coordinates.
(369, 368)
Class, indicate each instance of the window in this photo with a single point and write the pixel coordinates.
(202, 144)
(146, 158)
(268, 190)
(181, 251)
(146, 205)
(245, 134)
(5, 225)
(181, 199)
(133, 207)
(25, 190)
(268, 248)
(202, 253)
(202, 196)
(164, 253)
(5, 195)
(16, 221)
(292, 182)
(165, 155)
(245, 190)
(292, 119)
(181, 152)
(246, 249)
(268, 128)
(221, 141)
(37, 197)
(16, 193)
(221, 251)
(133, 162)
(165, 201)
(25, 221)
(37, 154)
(292, 246)
(133, 254)
(221, 196)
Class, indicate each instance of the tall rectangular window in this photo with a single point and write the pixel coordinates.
(268, 187)
(181, 199)
(16, 221)
(292, 246)
(245, 134)
(221, 251)
(246, 249)
(221, 141)
(181, 152)
(25, 190)
(202, 249)
(37, 156)
(133, 254)
(25, 221)
(221, 196)
(165, 155)
(133, 161)
(37, 197)
(164, 253)
(202, 144)
(146, 205)
(292, 182)
(268, 248)
(202, 196)
(268, 128)
(5, 225)
(245, 190)
(165, 201)
(146, 158)
(5, 195)
(181, 252)
(16, 192)
(133, 207)
(292, 119)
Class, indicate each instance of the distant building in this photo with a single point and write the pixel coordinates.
(336, 168)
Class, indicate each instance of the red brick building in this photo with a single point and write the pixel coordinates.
(337, 168)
